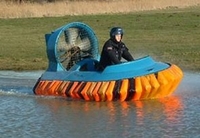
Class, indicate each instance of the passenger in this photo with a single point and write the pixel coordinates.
(114, 49)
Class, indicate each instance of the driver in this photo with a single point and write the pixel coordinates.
(114, 49)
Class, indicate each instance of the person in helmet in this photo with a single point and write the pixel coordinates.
(114, 49)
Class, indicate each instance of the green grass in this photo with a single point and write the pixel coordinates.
(171, 35)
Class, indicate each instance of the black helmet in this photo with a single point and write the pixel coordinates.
(116, 30)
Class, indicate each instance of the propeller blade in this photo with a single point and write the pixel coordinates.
(71, 35)
(84, 45)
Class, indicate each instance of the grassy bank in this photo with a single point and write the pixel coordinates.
(171, 35)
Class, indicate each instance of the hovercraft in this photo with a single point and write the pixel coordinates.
(73, 55)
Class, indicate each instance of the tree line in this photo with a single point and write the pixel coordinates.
(41, 1)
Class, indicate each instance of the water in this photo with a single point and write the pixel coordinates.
(25, 115)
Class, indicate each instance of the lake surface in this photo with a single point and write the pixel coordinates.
(25, 115)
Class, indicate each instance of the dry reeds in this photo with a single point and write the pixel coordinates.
(23, 10)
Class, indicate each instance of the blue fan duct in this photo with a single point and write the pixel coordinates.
(52, 42)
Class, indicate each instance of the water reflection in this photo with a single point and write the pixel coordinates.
(171, 109)
(128, 113)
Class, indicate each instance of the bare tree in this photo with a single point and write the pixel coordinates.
(51, 0)
(19, 1)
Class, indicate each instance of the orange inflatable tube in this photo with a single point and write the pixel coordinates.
(62, 88)
(45, 87)
(90, 91)
(154, 86)
(171, 81)
(77, 90)
(84, 91)
(52, 88)
(138, 89)
(146, 87)
(102, 91)
(38, 88)
(95, 92)
(163, 82)
(109, 92)
(124, 90)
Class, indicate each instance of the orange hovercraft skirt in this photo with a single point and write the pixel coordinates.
(158, 85)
